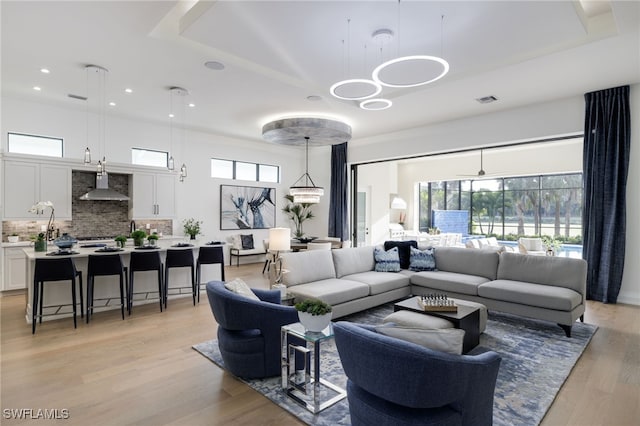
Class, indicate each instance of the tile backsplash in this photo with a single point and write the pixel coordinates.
(90, 218)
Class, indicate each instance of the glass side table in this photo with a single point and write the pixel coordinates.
(303, 383)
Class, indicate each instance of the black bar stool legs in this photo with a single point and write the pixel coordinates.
(47, 270)
(144, 261)
(208, 255)
(105, 265)
(179, 258)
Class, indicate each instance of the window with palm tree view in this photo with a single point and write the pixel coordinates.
(511, 207)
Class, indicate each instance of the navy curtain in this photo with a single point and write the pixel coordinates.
(607, 140)
(338, 225)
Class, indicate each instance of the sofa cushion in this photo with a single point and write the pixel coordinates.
(247, 241)
(422, 260)
(380, 282)
(403, 250)
(240, 287)
(307, 266)
(555, 271)
(446, 340)
(332, 291)
(386, 261)
(448, 281)
(525, 293)
(352, 260)
(464, 261)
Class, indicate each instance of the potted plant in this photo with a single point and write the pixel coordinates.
(13, 238)
(138, 237)
(552, 245)
(315, 315)
(298, 213)
(40, 243)
(191, 227)
(153, 239)
(121, 240)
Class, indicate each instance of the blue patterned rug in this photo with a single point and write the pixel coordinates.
(536, 360)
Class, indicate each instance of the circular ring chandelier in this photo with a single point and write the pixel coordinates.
(377, 88)
(382, 67)
(377, 104)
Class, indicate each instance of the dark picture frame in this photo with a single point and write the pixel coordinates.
(247, 207)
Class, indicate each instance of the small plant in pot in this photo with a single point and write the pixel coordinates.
(191, 227)
(153, 239)
(138, 237)
(40, 244)
(315, 315)
(121, 240)
(13, 238)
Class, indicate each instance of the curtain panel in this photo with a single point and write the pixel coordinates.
(607, 140)
(338, 225)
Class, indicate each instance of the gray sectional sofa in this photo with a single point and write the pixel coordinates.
(541, 287)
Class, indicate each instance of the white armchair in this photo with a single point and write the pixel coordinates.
(531, 246)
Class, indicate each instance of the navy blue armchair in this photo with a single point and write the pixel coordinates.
(394, 382)
(249, 330)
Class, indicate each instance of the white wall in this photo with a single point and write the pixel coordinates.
(198, 196)
(532, 122)
(379, 180)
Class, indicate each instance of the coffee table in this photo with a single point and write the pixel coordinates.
(303, 383)
(467, 318)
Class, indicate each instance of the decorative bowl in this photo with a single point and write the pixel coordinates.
(305, 240)
(65, 241)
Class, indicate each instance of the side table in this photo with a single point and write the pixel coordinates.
(303, 383)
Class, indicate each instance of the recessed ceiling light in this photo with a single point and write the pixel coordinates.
(112, 104)
(214, 65)
(314, 98)
(192, 105)
(171, 115)
(486, 99)
(128, 90)
(44, 71)
(37, 88)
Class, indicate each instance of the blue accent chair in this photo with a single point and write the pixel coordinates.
(249, 330)
(395, 382)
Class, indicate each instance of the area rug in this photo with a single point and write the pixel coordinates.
(536, 360)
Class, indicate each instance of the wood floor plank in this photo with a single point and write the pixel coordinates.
(143, 371)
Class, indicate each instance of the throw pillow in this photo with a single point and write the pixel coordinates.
(240, 287)
(247, 241)
(236, 242)
(422, 260)
(447, 340)
(386, 261)
(403, 250)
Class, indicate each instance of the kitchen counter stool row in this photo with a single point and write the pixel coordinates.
(64, 269)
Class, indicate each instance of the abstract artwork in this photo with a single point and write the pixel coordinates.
(247, 207)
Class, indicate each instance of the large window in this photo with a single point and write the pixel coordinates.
(240, 170)
(510, 207)
(35, 145)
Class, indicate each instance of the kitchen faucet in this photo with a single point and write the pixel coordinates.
(132, 226)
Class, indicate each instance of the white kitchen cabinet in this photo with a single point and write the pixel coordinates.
(26, 183)
(154, 195)
(15, 269)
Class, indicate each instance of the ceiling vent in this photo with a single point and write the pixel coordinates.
(72, 96)
(486, 99)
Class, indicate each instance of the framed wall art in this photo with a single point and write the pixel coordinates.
(247, 207)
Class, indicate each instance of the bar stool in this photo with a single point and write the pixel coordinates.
(46, 270)
(179, 258)
(104, 265)
(144, 261)
(209, 255)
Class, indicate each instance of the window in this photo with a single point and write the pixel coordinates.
(241, 170)
(511, 207)
(147, 157)
(35, 145)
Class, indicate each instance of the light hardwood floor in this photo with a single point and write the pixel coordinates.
(142, 371)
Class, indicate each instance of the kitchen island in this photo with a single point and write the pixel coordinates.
(106, 287)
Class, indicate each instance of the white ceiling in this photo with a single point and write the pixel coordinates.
(277, 53)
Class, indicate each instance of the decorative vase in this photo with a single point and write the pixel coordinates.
(121, 243)
(40, 245)
(315, 323)
(192, 236)
(138, 242)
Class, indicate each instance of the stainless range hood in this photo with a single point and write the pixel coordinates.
(102, 191)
